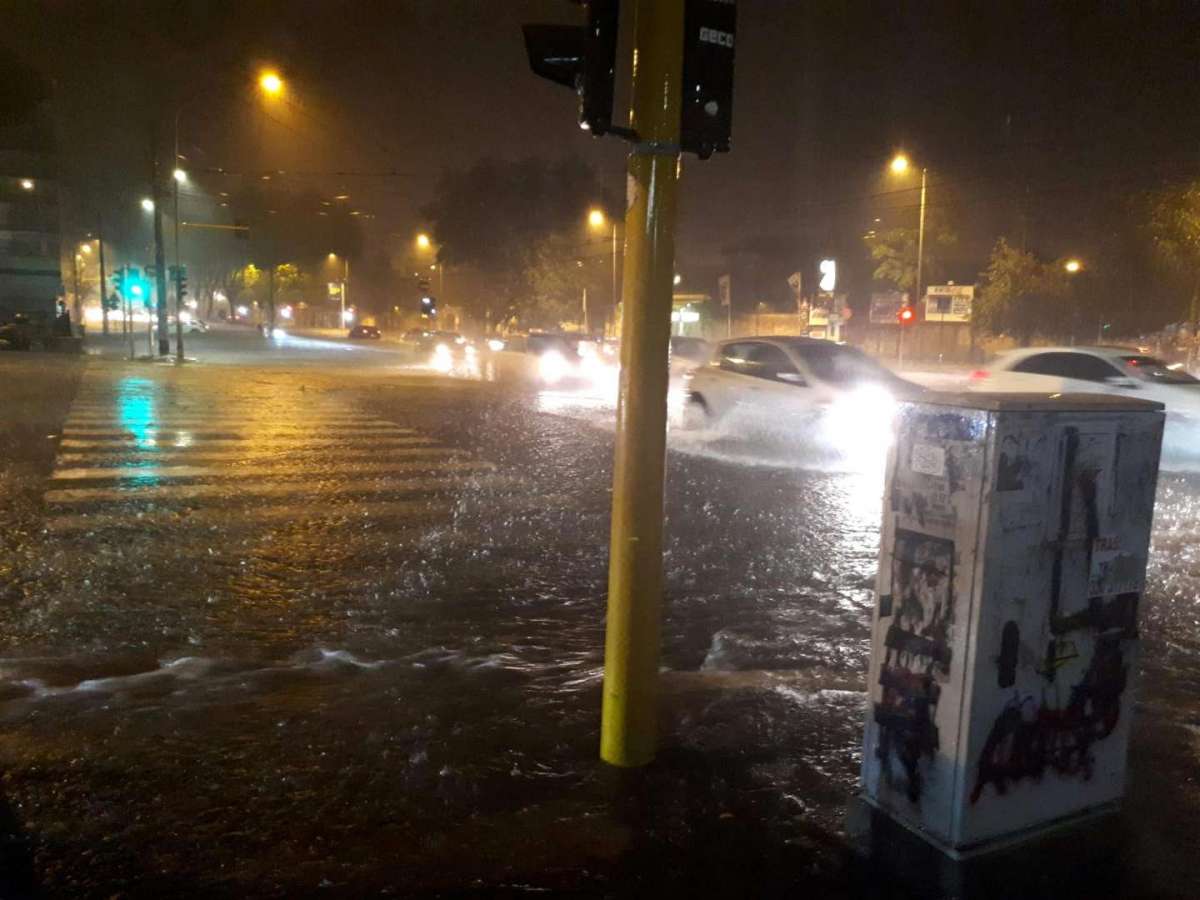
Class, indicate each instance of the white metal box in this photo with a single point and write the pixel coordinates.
(1004, 641)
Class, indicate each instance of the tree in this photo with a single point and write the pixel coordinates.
(1023, 296)
(894, 253)
(1174, 222)
(492, 216)
(556, 277)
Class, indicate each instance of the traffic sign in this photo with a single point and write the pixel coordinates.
(885, 307)
(724, 288)
(949, 302)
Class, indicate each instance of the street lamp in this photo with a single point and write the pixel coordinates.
(180, 176)
(27, 184)
(596, 221)
(1072, 266)
(899, 166)
(147, 204)
(345, 285)
(271, 83)
(423, 242)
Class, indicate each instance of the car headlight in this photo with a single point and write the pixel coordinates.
(495, 345)
(860, 419)
(443, 361)
(552, 366)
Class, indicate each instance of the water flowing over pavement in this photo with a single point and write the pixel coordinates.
(283, 625)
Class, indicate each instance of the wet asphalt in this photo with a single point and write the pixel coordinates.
(305, 616)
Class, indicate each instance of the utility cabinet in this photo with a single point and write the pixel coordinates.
(1005, 635)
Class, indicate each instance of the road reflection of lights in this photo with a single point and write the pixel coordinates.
(566, 402)
(278, 334)
(136, 410)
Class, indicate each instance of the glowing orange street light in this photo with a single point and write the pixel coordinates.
(271, 83)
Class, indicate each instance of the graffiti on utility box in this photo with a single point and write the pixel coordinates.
(917, 655)
(1005, 635)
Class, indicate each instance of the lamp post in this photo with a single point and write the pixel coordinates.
(899, 166)
(178, 176)
(596, 221)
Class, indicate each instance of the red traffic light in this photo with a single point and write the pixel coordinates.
(906, 315)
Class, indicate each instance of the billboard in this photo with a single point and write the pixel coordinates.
(949, 302)
(885, 307)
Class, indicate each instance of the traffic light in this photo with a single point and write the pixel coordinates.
(707, 114)
(135, 285)
(907, 315)
(119, 281)
(179, 273)
(429, 306)
(581, 57)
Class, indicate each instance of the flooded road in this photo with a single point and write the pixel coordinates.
(288, 625)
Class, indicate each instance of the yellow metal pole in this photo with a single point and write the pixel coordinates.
(635, 575)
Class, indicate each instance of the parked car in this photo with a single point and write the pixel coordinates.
(365, 332)
(795, 386)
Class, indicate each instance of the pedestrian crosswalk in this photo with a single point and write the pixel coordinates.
(139, 453)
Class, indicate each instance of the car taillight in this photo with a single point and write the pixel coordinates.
(980, 374)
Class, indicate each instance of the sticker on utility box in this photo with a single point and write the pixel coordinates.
(929, 459)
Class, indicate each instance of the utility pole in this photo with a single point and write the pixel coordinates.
(921, 235)
(78, 302)
(345, 288)
(678, 104)
(103, 279)
(160, 264)
(612, 318)
(127, 306)
(178, 271)
(271, 296)
(635, 575)
(584, 311)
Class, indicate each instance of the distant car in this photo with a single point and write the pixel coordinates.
(415, 336)
(795, 386)
(365, 332)
(17, 334)
(1120, 371)
(197, 326)
(558, 356)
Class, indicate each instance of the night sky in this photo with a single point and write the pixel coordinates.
(1034, 119)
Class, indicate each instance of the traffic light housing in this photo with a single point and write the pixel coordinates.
(906, 315)
(119, 281)
(707, 109)
(179, 274)
(583, 58)
(429, 306)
